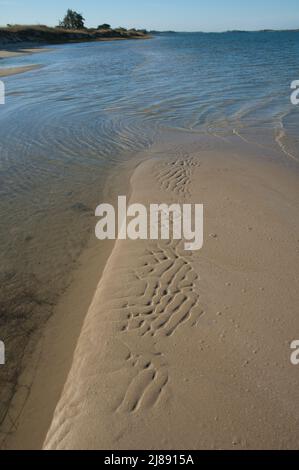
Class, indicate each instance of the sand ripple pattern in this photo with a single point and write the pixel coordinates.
(167, 300)
(176, 175)
(154, 295)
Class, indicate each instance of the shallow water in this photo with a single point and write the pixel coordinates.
(94, 105)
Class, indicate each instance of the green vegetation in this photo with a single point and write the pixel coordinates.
(104, 26)
(71, 29)
(72, 20)
(18, 34)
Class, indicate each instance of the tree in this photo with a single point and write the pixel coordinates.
(72, 20)
(104, 26)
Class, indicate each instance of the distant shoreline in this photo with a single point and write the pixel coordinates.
(17, 41)
(43, 35)
(233, 31)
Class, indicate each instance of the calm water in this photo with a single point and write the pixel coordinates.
(93, 106)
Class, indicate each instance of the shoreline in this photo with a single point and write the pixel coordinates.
(11, 51)
(49, 355)
(225, 331)
(7, 72)
(131, 366)
(24, 37)
(139, 344)
(23, 48)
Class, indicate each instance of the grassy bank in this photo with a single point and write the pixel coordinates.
(44, 34)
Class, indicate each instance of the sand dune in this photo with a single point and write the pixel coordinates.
(190, 350)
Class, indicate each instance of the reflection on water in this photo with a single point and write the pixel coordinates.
(94, 105)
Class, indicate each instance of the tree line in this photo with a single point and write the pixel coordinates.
(75, 20)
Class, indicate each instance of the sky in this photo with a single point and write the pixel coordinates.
(178, 15)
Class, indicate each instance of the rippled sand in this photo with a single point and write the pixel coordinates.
(192, 351)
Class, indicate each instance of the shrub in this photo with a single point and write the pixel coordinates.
(104, 26)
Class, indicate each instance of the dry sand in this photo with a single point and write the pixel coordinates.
(192, 350)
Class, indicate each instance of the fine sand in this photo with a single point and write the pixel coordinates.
(185, 350)
(47, 358)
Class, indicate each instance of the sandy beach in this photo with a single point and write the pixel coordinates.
(181, 351)
(48, 356)
(13, 44)
(123, 345)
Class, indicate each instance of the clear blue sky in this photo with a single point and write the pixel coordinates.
(180, 15)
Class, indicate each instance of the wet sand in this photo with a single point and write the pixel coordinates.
(47, 358)
(152, 347)
(5, 72)
(12, 51)
(67, 142)
(192, 351)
